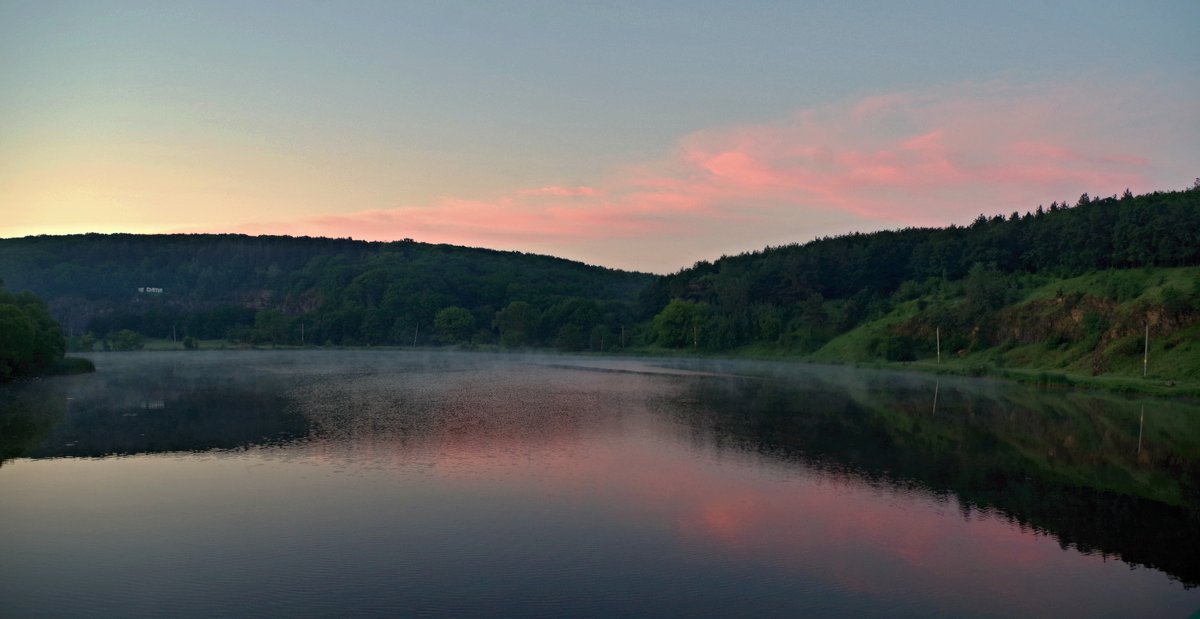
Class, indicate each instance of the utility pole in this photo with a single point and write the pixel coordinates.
(938, 334)
(1146, 351)
(622, 336)
(695, 336)
(301, 333)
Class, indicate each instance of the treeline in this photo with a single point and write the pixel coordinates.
(801, 296)
(113, 290)
(285, 290)
(30, 341)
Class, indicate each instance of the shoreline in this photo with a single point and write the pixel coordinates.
(1155, 386)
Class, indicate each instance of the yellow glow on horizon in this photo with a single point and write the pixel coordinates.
(214, 183)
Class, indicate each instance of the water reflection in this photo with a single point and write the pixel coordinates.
(722, 486)
(158, 405)
(28, 414)
(1070, 465)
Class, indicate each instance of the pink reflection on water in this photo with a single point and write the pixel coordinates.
(862, 537)
(731, 506)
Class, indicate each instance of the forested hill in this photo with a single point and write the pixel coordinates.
(1158, 229)
(1086, 278)
(800, 297)
(275, 289)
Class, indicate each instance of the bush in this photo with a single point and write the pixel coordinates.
(125, 340)
(1123, 288)
(1095, 323)
(1175, 303)
(1057, 340)
(1129, 345)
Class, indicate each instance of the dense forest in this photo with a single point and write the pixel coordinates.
(112, 290)
(955, 279)
(30, 340)
(1088, 277)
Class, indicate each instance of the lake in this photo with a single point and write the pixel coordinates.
(392, 483)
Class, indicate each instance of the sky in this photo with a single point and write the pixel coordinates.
(639, 135)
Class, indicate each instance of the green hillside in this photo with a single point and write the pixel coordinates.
(285, 290)
(1064, 290)
(1096, 325)
(1068, 290)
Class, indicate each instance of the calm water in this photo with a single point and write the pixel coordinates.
(406, 484)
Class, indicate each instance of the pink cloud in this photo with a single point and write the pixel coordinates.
(559, 191)
(894, 159)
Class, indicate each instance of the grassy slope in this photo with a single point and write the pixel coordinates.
(1174, 356)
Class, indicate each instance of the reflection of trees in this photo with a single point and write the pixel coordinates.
(126, 415)
(1067, 465)
(28, 412)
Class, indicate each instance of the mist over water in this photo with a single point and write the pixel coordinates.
(301, 483)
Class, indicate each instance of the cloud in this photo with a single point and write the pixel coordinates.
(887, 160)
(559, 191)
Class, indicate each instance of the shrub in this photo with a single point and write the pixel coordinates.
(125, 339)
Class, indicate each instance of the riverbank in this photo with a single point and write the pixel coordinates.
(70, 365)
(1150, 385)
(65, 366)
(1154, 384)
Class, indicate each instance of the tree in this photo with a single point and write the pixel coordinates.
(571, 337)
(454, 324)
(581, 314)
(30, 340)
(517, 323)
(125, 339)
(679, 323)
(16, 341)
(270, 326)
(985, 289)
(601, 338)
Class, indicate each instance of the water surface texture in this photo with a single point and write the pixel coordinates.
(326, 483)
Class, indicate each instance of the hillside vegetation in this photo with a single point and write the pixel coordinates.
(30, 341)
(113, 289)
(1111, 324)
(1068, 288)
